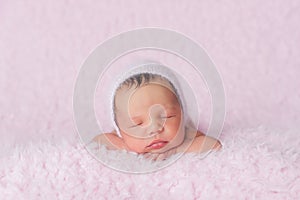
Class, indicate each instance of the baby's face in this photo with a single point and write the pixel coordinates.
(150, 112)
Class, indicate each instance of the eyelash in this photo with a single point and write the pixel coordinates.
(169, 116)
(161, 117)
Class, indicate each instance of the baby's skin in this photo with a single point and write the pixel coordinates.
(149, 119)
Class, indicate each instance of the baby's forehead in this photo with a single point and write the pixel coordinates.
(125, 93)
(126, 89)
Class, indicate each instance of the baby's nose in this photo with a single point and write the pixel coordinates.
(156, 121)
(156, 127)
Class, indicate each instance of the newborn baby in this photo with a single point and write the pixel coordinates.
(150, 119)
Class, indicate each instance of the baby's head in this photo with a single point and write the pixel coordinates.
(147, 107)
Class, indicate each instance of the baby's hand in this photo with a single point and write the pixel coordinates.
(160, 156)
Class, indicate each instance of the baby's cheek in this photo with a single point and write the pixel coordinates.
(176, 134)
(173, 128)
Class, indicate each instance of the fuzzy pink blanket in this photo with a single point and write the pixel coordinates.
(254, 164)
(255, 46)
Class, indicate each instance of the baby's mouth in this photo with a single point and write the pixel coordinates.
(157, 144)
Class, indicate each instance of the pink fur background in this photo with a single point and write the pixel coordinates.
(254, 44)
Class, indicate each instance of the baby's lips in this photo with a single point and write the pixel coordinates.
(157, 141)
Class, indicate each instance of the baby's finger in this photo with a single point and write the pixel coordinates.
(172, 152)
(146, 155)
(155, 156)
(150, 156)
(159, 157)
(165, 155)
(162, 156)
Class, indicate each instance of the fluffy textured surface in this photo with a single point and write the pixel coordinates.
(254, 45)
(253, 164)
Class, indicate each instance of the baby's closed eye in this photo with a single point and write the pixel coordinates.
(139, 123)
(170, 116)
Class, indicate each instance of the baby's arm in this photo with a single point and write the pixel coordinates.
(201, 143)
(111, 140)
(205, 143)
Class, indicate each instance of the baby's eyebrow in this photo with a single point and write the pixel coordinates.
(169, 107)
